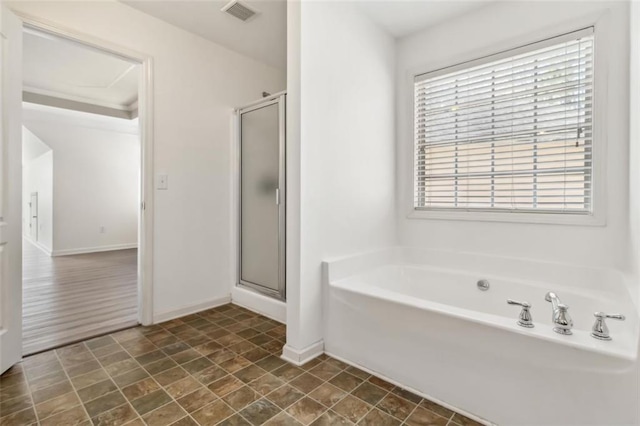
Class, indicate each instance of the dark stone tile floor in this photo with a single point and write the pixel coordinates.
(217, 367)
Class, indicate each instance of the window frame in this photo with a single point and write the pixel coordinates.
(599, 141)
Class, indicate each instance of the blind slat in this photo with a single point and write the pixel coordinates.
(472, 151)
(515, 56)
(504, 134)
(520, 105)
(508, 95)
(507, 184)
(497, 117)
(512, 161)
(502, 142)
(574, 72)
(512, 135)
(537, 124)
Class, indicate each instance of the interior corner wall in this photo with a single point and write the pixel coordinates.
(346, 150)
(491, 29)
(95, 183)
(196, 86)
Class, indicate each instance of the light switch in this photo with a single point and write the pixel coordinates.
(162, 181)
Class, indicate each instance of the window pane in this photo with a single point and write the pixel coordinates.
(513, 134)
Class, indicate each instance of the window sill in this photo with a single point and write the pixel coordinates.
(509, 217)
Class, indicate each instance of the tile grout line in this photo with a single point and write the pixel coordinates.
(234, 410)
(33, 403)
(202, 327)
(116, 385)
(287, 383)
(71, 383)
(404, 422)
(122, 346)
(247, 384)
(161, 386)
(220, 398)
(388, 392)
(327, 381)
(31, 393)
(188, 414)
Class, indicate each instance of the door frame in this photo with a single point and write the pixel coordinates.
(145, 116)
(280, 99)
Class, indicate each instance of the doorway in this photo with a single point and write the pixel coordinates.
(83, 159)
(262, 199)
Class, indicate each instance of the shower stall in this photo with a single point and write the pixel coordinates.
(261, 145)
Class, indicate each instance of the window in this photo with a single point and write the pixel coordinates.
(509, 133)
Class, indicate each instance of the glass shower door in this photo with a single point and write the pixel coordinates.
(262, 197)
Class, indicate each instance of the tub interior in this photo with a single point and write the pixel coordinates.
(446, 283)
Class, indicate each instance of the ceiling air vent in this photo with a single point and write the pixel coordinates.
(239, 10)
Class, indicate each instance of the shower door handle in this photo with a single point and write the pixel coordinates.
(278, 196)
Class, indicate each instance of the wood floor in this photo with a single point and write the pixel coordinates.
(70, 298)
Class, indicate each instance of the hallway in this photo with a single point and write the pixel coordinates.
(70, 298)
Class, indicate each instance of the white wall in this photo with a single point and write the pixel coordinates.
(345, 85)
(37, 176)
(634, 159)
(32, 147)
(500, 26)
(197, 84)
(95, 178)
(489, 30)
(634, 145)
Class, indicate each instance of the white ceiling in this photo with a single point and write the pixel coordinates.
(263, 38)
(404, 17)
(64, 69)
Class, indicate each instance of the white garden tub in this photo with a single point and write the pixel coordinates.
(418, 318)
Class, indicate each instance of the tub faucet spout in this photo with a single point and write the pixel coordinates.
(562, 322)
(554, 299)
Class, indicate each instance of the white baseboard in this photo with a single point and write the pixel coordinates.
(302, 356)
(263, 305)
(67, 252)
(46, 250)
(417, 392)
(191, 309)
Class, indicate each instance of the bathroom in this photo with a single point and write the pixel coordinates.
(378, 269)
(414, 313)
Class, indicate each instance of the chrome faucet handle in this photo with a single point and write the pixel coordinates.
(562, 320)
(524, 320)
(600, 330)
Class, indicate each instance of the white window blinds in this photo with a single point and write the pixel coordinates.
(511, 134)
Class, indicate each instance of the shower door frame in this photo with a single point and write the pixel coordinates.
(280, 100)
